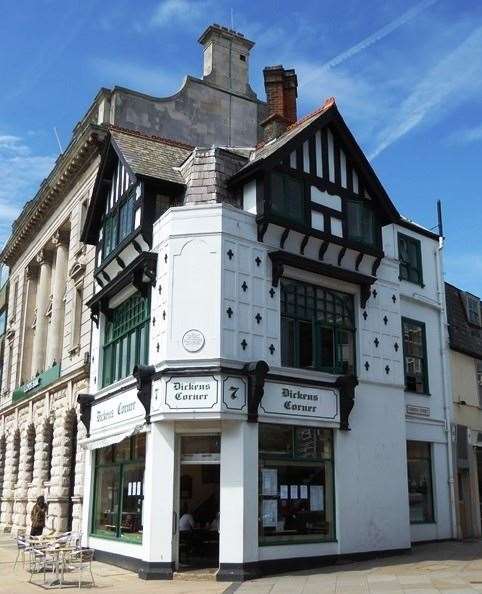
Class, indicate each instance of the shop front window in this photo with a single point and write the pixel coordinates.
(296, 489)
(420, 493)
(119, 490)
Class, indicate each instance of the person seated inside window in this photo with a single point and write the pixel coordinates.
(186, 522)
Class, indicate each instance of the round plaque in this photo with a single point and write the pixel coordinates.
(193, 341)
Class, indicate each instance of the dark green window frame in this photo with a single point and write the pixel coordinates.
(409, 352)
(361, 223)
(118, 224)
(307, 452)
(114, 458)
(126, 339)
(287, 197)
(410, 257)
(317, 328)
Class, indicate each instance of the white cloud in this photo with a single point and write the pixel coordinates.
(453, 80)
(185, 12)
(20, 172)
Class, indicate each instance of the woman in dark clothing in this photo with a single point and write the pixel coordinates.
(38, 517)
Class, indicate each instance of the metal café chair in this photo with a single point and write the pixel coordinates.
(22, 547)
(81, 559)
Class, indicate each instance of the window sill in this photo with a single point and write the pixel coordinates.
(297, 542)
(426, 394)
(115, 538)
(422, 523)
(405, 280)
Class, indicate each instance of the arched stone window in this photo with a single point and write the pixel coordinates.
(47, 442)
(71, 457)
(15, 457)
(30, 454)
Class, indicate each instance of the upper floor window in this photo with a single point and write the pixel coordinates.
(361, 223)
(415, 356)
(410, 256)
(317, 328)
(473, 309)
(287, 197)
(126, 339)
(118, 224)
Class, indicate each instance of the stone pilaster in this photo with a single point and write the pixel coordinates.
(56, 326)
(31, 279)
(10, 481)
(25, 476)
(41, 324)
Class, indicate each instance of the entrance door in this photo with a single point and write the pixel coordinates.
(198, 502)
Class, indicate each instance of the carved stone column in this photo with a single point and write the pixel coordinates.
(56, 327)
(31, 279)
(41, 324)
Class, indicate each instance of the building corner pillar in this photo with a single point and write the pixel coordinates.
(238, 539)
(159, 481)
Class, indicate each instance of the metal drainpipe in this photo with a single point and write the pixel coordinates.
(446, 382)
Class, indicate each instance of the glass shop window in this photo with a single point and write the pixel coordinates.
(119, 490)
(420, 491)
(296, 489)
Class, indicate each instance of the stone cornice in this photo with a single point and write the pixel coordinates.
(52, 190)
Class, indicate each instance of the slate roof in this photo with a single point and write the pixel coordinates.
(151, 156)
(464, 336)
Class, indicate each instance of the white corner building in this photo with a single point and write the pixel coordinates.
(269, 377)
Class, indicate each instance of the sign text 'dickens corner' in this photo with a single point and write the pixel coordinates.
(116, 410)
(303, 401)
(195, 392)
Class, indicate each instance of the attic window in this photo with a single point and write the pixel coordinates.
(242, 57)
(473, 309)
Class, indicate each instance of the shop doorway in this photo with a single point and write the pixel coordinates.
(198, 502)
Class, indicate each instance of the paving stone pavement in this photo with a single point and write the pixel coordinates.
(442, 568)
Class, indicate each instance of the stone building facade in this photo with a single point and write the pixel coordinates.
(46, 358)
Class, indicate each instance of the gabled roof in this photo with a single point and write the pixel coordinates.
(151, 156)
(465, 337)
(301, 130)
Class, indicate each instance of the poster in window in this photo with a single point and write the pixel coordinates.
(270, 513)
(303, 491)
(138, 488)
(270, 481)
(317, 499)
(293, 491)
(129, 488)
(283, 491)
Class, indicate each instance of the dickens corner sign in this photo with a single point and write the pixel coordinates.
(300, 401)
(191, 393)
(115, 410)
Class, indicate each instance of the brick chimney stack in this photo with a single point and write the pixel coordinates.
(281, 92)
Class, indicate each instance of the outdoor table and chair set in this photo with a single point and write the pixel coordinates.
(56, 557)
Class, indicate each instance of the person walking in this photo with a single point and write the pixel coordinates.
(38, 516)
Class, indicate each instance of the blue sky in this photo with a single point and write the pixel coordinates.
(407, 77)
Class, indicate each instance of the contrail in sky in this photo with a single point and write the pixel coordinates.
(377, 36)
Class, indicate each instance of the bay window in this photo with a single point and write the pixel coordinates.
(296, 487)
(287, 197)
(118, 225)
(126, 339)
(362, 225)
(317, 328)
